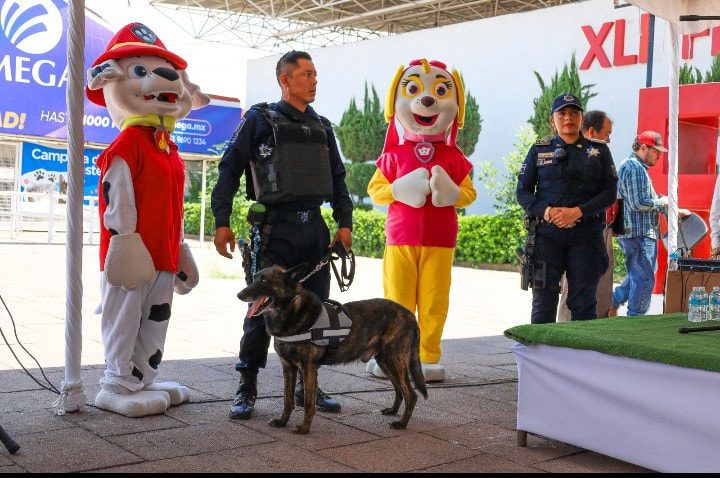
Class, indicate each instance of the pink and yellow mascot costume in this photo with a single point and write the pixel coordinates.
(422, 180)
(142, 253)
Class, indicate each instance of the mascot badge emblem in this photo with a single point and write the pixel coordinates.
(422, 180)
(142, 253)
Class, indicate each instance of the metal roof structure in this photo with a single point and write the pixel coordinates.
(276, 25)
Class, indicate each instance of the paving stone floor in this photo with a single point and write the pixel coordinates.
(466, 425)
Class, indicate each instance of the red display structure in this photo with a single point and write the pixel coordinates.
(699, 112)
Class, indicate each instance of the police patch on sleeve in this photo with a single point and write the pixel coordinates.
(522, 169)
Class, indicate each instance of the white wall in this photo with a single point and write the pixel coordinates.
(497, 57)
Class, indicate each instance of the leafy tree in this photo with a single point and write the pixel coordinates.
(502, 187)
(357, 178)
(566, 82)
(468, 136)
(713, 74)
(361, 132)
(689, 75)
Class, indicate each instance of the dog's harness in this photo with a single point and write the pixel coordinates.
(331, 327)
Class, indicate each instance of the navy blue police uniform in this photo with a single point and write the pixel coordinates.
(294, 231)
(558, 174)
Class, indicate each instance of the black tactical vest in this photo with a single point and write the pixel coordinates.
(297, 166)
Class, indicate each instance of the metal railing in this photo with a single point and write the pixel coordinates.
(44, 211)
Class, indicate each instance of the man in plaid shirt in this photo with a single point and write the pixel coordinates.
(642, 224)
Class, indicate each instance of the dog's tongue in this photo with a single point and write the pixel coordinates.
(255, 307)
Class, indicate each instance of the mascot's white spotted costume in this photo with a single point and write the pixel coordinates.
(142, 253)
(423, 179)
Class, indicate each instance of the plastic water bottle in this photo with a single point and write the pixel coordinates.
(697, 304)
(704, 305)
(714, 303)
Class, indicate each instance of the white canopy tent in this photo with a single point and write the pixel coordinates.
(683, 16)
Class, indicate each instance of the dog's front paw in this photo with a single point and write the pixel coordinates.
(277, 422)
(398, 425)
(389, 411)
(301, 430)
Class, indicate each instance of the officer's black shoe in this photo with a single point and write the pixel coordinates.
(323, 401)
(245, 397)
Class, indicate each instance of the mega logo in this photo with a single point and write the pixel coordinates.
(33, 26)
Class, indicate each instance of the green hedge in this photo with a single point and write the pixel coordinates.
(482, 239)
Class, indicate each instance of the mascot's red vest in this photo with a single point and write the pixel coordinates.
(159, 194)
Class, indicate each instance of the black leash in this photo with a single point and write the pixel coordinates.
(345, 277)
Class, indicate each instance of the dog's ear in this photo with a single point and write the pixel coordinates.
(293, 275)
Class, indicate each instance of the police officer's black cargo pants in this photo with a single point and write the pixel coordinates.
(290, 243)
(578, 251)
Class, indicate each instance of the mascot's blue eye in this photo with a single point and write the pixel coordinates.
(140, 71)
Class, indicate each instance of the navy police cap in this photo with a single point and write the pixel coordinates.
(566, 100)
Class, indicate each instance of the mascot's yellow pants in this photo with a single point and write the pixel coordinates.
(418, 277)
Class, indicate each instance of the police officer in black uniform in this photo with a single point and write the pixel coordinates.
(291, 161)
(565, 184)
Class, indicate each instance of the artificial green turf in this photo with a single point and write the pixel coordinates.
(653, 338)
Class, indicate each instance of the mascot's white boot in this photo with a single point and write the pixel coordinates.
(132, 404)
(176, 393)
(142, 254)
(432, 372)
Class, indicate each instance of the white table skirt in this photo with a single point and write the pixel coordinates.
(658, 416)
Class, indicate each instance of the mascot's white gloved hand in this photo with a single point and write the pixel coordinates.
(413, 188)
(444, 190)
(128, 263)
(188, 276)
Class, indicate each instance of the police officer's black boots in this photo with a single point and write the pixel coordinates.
(323, 401)
(245, 396)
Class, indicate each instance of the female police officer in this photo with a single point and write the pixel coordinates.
(564, 185)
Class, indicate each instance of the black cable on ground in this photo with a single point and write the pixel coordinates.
(49, 387)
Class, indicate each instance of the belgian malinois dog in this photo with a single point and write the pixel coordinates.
(380, 328)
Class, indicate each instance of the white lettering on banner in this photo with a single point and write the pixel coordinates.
(193, 127)
(92, 171)
(36, 73)
(61, 157)
(88, 120)
(56, 156)
(26, 70)
(52, 116)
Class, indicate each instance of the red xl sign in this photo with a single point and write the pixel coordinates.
(596, 41)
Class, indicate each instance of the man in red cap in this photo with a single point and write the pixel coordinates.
(142, 254)
(642, 208)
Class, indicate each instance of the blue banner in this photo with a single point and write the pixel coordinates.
(33, 81)
(44, 169)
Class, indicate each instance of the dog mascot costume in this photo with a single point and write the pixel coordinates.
(423, 179)
(142, 253)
